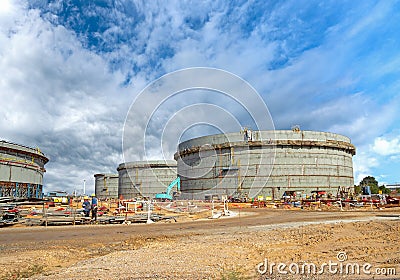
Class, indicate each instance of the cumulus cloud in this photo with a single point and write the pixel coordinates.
(70, 70)
(60, 97)
(386, 147)
(379, 159)
(364, 164)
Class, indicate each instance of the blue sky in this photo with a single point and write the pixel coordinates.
(71, 69)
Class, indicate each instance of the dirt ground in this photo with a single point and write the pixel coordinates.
(243, 247)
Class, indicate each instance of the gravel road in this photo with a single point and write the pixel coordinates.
(205, 249)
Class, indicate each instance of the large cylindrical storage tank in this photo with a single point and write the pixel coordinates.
(145, 178)
(106, 185)
(21, 171)
(267, 163)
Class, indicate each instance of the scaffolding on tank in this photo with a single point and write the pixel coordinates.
(17, 190)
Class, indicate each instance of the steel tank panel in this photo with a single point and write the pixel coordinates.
(269, 162)
(145, 178)
(26, 175)
(106, 185)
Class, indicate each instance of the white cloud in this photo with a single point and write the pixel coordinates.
(61, 97)
(386, 147)
(5, 6)
(378, 159)
(62, 73)
(364, 164)
(377, 13)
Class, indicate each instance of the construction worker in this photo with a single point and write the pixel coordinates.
(94, 207)
(86, 206)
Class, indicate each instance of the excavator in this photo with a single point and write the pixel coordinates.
(167, 194)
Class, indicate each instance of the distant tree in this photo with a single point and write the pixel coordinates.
(357, 189)
(373, 183)
(384, 189)
(370, 181)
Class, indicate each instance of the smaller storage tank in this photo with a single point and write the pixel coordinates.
(21, 171)
(106, 185)
(145, 178)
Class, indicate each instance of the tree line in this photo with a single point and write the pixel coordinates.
(374, 186)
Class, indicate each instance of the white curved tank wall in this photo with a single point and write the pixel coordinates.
(106, 185)
(145, 178)
(265, 163)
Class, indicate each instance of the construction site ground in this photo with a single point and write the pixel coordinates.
(193, 248)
